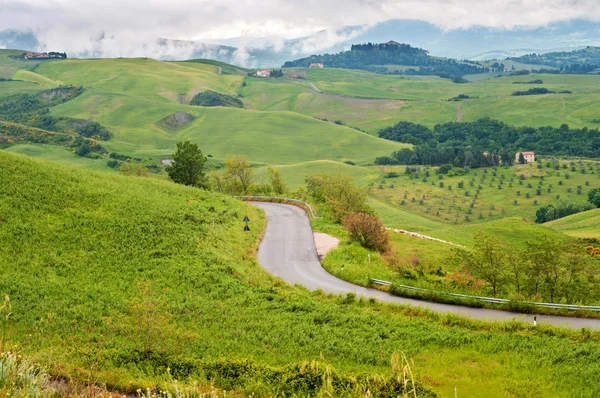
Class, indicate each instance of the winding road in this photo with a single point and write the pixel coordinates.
(288, 251)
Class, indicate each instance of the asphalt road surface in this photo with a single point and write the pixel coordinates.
(288, 251)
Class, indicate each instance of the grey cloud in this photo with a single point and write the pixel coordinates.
(130, 27)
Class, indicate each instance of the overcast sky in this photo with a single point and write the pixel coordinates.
(74, 24)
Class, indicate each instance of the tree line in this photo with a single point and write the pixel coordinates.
(485, 142)
(585, 60)
(545, 269)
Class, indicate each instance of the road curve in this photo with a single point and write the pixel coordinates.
(288, 251)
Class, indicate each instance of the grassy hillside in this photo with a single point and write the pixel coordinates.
(224, 67)
(114, 279)
(28, 76)
(11, 87)
(371, 102)
(295, 174)
(582, 225)
(132, 96)
(147, 78)
(61, 155)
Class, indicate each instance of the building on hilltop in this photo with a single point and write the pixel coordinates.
(528, 156)
(35, 55)
(316, 65)
(263, 73)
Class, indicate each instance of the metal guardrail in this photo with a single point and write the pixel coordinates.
(279, 198)
(490, 299)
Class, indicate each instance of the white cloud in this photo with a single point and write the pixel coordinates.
(125, 26)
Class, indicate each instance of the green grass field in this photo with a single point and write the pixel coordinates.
(18, 87)
(295, 174)
(61, 155)
(423, 99)
(113, 279)
(582, 225)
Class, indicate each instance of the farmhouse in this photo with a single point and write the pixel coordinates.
(316, 65)
(528, 156)
(263, 73)
(35, 55)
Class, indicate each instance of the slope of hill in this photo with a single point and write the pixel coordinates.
(132, 96)
(134, 282)
(582, 225)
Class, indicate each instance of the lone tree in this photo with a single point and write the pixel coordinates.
(521, 158)
(277, 182)
(188, 168)
(237, 167)
(487, 261)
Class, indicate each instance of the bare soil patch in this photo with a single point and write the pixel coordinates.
(175, 122)
(325, 243)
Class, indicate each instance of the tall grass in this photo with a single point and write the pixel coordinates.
(19, 377)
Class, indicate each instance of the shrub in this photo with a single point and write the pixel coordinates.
(444, 169)
(112, 164)
(338, 193)
(368, 231)
(212, 98)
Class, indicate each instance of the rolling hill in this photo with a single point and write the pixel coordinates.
(131, 97)
(582, 225)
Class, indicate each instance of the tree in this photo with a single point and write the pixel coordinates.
(594, 197)
(487, 260)
(545, 257)
(188, 168)
(338, 193)
(405, 156)
(238, 167)
(368, 230)
(521, 158)
(277, 183)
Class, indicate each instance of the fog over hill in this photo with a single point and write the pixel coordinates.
(475, 42)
